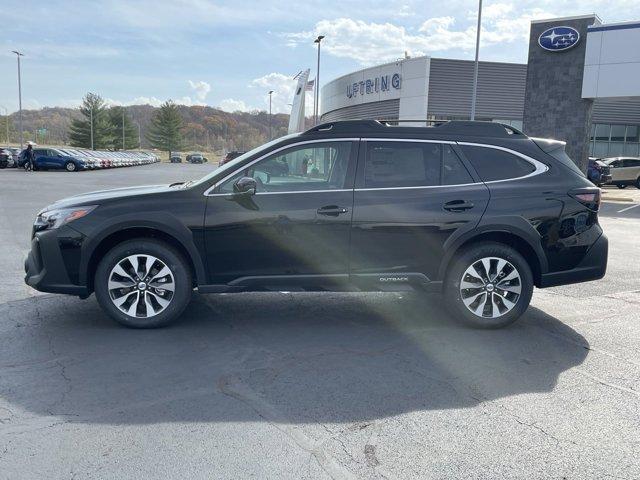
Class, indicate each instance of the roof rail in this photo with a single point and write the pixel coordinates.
(346, 126)
(448, 127)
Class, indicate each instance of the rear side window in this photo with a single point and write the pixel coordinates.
(560, 155)
(412, 164)
(493, 164)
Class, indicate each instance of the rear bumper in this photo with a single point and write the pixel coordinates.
(45, 268)
(605, 179)
(592, 267)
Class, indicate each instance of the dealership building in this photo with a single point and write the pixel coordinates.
(581, 84)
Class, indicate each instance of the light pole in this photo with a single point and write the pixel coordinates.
(18, 55)
(475, 67)
(270, 131)
(317, 93)
(122, 128)
(91, 123)
(6, 121)
(139, 135)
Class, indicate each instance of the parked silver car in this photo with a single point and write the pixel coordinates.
(624, 171)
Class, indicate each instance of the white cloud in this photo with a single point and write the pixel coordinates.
(201, 89)
(404, 11)
(371, 43)
(495, 10)
(233, 105)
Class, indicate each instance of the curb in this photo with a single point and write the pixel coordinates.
(607, 198)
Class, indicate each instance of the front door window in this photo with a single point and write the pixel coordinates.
(308, 167)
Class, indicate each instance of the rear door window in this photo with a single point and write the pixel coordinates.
(493, 164)
(412, 164)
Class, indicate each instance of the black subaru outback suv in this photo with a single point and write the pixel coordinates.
(476, 210)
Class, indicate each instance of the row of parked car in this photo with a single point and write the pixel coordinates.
(195, 157)
(618, 171)
(73, 159)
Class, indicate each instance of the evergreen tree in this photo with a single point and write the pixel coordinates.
(164, 131)
(118, 116)
(93, 108)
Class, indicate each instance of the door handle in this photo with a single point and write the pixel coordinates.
(332, 210)
(457, 206)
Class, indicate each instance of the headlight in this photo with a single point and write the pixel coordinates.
(57, 217)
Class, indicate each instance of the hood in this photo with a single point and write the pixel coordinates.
(98, 197)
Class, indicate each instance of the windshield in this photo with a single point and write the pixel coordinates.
(231, 165)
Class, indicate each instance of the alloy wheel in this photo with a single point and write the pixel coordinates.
(490, 287)
(141, 285)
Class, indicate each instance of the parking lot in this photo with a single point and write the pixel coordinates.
(315, 385)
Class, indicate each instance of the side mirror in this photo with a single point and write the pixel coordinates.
(245, 186)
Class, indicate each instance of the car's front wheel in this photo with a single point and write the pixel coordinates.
(143, 283)
(489, 285)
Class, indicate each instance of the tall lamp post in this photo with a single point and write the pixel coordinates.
(18, 55)
(6, 121)
(122, 128)
(139, 134)
(317, 93)
(91, 124)
(270, 131)
(475, 66)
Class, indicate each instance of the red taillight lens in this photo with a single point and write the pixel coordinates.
(589, 197)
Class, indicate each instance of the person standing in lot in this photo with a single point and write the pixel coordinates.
(28, 158)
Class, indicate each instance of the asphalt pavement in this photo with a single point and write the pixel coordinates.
(314, 385)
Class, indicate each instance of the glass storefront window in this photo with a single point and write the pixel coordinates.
(632, 133)
(616, 149)
(618, 132)
(601, 149)
(632, 149)
(602, 132)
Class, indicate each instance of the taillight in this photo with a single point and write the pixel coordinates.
(589, 197)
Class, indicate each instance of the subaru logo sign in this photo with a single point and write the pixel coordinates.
(557, 39)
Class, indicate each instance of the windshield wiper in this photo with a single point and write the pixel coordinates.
(175, 184)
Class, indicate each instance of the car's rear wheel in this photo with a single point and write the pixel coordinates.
(143, 283)
(638, 182)
(489, 285)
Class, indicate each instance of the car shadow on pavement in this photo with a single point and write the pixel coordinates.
(299, 358)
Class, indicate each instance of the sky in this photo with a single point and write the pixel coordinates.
(229, 54)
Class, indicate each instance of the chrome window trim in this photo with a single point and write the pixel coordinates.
(370, 189)
(208, 193)
(286, 192)
(539, 166)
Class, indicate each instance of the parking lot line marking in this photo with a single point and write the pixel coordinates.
(629, 208)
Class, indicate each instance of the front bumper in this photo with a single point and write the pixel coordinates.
(592, 267)
(51, 265)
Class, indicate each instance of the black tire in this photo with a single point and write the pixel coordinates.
(638, 182)
(621, 185)
(177, 265)
(70, 167)
(468, 257)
